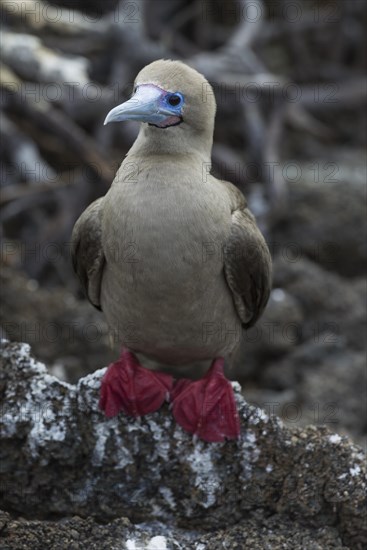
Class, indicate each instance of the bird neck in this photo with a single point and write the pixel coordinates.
(173, 141)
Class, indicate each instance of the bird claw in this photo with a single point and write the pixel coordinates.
(133, 389)
(207, 407)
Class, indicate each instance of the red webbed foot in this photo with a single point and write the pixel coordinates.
(133, 389)
(207, 407)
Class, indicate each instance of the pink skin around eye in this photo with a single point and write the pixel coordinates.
(169, 121)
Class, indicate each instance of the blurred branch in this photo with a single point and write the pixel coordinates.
(277, 189)
(42, 114)
(15, 192)
(40, 15)
(334, 95)
(26, 55)
(244, 37)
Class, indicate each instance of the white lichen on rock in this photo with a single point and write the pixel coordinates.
(48, 425)
(335, 438)
(259, 416)
(44, 405)
(109, 429)
(161, 435)
(92, 382)
(250, 453)
(167, 494)
(207, 477)
(355, 470)
(130, 544)
(157, 543)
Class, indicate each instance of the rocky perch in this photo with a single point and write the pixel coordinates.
(80, 481)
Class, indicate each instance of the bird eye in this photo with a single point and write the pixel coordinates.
(174, 100)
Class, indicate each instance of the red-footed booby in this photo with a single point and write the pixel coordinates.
(174, 259)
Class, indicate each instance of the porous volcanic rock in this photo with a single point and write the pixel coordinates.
(274, 487)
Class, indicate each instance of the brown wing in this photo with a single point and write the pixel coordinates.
(87, 252)
(247, 261)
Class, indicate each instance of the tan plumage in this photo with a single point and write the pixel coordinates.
(171, 255)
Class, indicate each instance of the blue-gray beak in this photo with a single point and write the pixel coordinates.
(146, 105)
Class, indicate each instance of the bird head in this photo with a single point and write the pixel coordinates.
(171, 98)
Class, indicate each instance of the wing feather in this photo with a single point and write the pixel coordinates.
(87, 252)
(247, 261)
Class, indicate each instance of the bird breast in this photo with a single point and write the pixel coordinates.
(164, 262)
